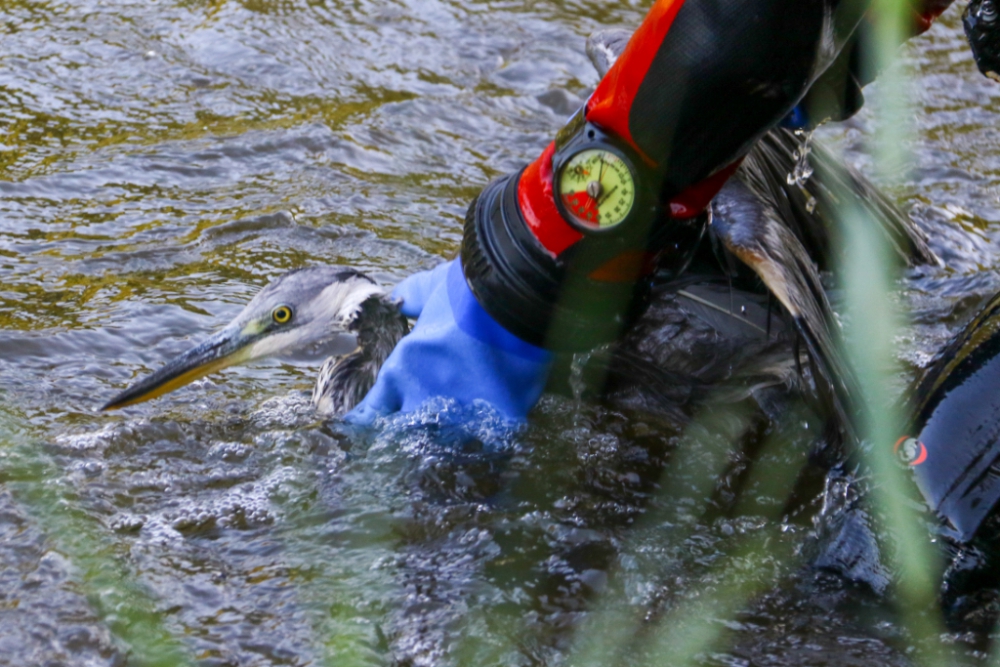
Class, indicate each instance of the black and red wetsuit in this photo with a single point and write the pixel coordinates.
(697, 85)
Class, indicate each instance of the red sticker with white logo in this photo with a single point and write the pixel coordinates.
(910, 451)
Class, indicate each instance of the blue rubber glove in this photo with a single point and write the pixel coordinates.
(456, 350)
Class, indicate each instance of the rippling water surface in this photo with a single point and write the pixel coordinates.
(160, 161)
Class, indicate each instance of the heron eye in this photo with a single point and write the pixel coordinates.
(281, 314)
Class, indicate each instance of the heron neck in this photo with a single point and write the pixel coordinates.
(344, 381)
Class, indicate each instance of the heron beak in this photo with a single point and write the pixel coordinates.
(226, 348)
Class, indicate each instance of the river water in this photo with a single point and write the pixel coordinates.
(161, 160)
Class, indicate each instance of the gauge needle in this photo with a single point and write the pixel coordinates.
(600, 176)
(605, 196)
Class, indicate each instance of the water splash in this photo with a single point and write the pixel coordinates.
(445, 424)
(578, 381)
(803, 169)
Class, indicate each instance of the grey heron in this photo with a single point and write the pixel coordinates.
(303, 309)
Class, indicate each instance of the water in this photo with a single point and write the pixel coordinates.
(159, 161)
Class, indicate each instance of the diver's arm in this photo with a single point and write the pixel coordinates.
(699, 82)
(697, 85)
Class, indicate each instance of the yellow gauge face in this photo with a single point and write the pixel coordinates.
(596, 188)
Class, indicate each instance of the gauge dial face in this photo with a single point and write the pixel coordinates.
(596, 189)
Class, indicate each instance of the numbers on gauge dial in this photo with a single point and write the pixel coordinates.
(597, 188)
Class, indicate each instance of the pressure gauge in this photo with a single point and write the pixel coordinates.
(596, 188)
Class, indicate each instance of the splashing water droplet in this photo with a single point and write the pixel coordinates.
(803, 169)
(576, 381)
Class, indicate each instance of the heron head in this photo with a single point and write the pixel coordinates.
(300, 310)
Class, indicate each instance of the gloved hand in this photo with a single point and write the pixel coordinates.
(456, 350)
